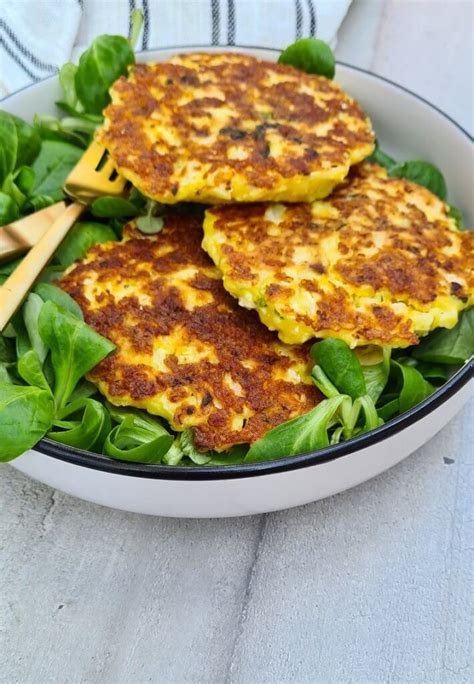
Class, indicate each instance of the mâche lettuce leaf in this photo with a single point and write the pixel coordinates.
(75, 348)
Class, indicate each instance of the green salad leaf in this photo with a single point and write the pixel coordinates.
(365, 406)
(31, 311)
(186, 443)
(26, 414)
(409, 388)
(7, 351)
(414, 388)
(9, 210)
(28, 142)
(8, 267)
(30, 369)
(418, 171)
(5, 377)
(84, 423)
(138, 440)
(174, 455)
(150, 225)
(99, 66)
(140, 418)
(19, 144)
(376, 370)
(51, 273)
(435, 373)
(323, 383)
(83, 390)
(83, 235)
(152, 222)
(341, 366)
(183, 446)
(8, 145)
(113, 207)
(453, 346)
(311, 55)
(38, 202)
(299, 435)
(22, 339)
(67, 80)
(233, 456)
(457, 217)
(49, 292)
(75, 348)
(24, 178)
(77, 129)
(360, 376)
(52, 166)
(11, 189)
(423, 173)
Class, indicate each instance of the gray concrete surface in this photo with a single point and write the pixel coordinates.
(372, 585)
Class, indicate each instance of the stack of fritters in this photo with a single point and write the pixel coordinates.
(379, 261)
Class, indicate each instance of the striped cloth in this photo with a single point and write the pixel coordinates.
(38, 36)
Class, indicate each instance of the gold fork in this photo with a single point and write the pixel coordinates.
(93, 176)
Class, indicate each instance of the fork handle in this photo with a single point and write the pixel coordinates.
(19, 283)
(17, 237)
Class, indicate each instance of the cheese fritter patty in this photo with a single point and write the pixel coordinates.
(378, 262)
(185, 349)
(227, 127)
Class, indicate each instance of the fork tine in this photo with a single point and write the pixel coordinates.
(86, 181)
(118, 183)
(108, 168)
(92, 155)
(116, 186)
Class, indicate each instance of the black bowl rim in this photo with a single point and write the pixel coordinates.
(93, 461)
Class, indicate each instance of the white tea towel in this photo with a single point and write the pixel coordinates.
(38, 36)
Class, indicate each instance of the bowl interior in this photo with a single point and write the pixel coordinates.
(406, 126)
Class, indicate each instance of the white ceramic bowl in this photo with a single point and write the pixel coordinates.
(407, 127)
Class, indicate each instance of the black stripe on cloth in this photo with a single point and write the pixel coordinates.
(50, 68)
(313, 25)
(146, 25)
(131, 6)
(230, 22)
(299, 19)
(215, 22)
(16, 59)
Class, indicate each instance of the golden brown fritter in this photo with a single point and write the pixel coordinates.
(227, 127)
(379, 262)
(185, 349)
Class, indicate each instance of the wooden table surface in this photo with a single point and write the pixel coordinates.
(372, 585)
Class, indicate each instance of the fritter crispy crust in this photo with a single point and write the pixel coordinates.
(228, 127)
(185, 349)
(379, 261)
